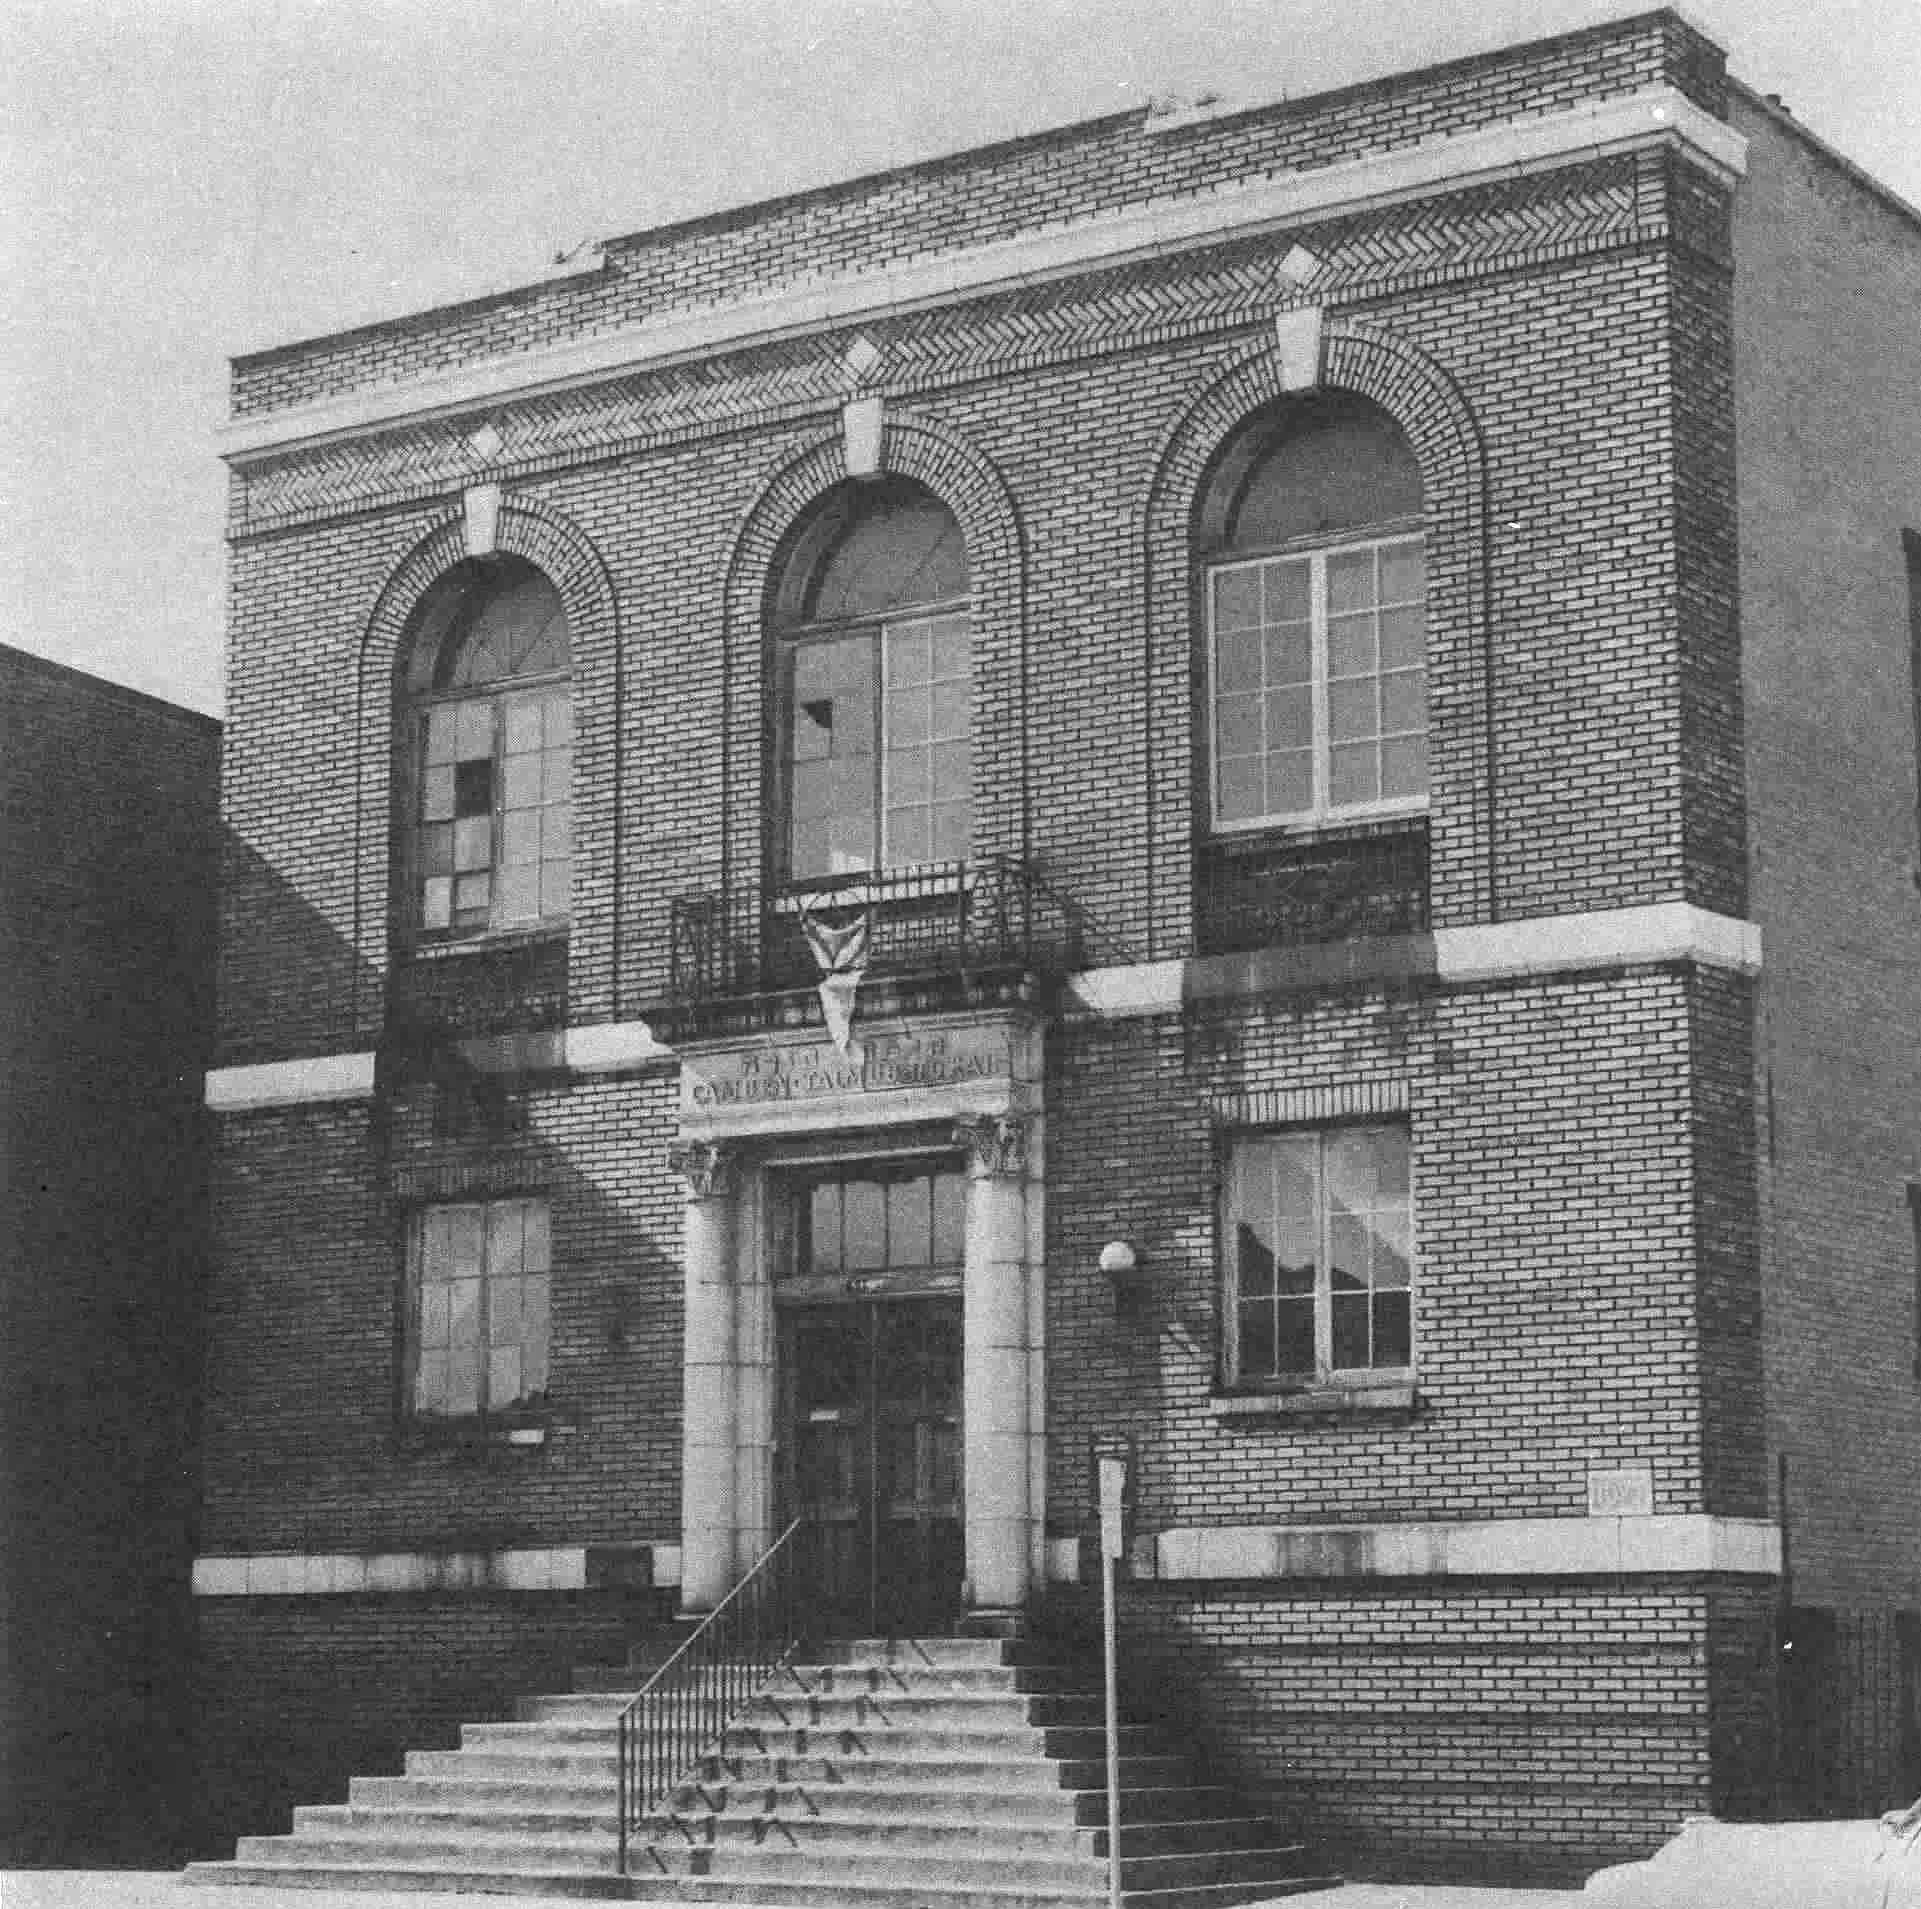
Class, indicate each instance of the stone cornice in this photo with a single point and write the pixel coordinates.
(1659, 116)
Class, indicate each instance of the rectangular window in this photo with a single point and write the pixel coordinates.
(479, 1276)
(879, 770)
(1318, 667)
(1317, 1248)
(496, 814)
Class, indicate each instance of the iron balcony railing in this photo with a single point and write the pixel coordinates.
(939, 918)
(683, 1712)
(1280, 893)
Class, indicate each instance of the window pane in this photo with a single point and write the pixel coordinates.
(557, 775)
(1237, 599)
(907, 716)
(910, 837)
(1296, 1252)
(908, 776)
(950, 1218)
(952, 649)
(1243, 791)
(949, 719)
(1403, 573)
(1288, 590)
(952, 767)
(437, 794)
(864, 1215)
(557, 830)
(1351, 710)
(823, 1243)
(1237, 661)
(474, 787)
(525, 730)
(535, 1336)
(1290, 654)
(436, 903)
(953, 831)
(522, 790)
(466, 1232)
(463, 1381)
(1393, 1329)
(1290, 719)
(909, 1222)
(503, 1312)
(464, 1325)
(1403, 643)
(443, 723)
(471, 893)
(503, 1376)
(474, 731)
(1350, 1330)
(1254, 1256)
(559, 717)
(1404, 700)
(1290, 783)
(910, 655)
(430, 1387)
(1350, 580)
(520, 836)
(1404, 766)
(537, 1252)
(473, 842)
(1353, 774)
(436, 1317)
(556, 889)
(437, 849)
(1350, 645)
(1294, 1336)
(1239, 726)
(1257, 1319)
(504, 1224)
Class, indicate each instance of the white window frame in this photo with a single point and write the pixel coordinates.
(878, 632)
(1322, 810)
(1326, 1373)
(497, 697)
(416, 1346)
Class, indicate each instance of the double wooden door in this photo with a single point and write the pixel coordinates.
(871, 1456)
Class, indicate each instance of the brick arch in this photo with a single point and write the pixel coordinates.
(1441, 430)
(968, 483)
(566, 555)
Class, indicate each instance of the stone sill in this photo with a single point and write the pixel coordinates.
(1329, 1401)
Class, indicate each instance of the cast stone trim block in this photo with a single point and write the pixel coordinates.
(1503, 1547)
(315, 1077)
(1657, 116)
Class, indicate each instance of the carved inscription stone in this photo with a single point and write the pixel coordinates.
(775, 1075)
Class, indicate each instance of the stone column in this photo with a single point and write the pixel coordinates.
(994, 1391)
(707, 1511)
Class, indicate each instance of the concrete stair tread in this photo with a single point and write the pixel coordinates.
(412, 1876)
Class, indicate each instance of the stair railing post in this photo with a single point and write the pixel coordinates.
(1113, 1481)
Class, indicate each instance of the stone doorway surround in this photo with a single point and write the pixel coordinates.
(752, 1105)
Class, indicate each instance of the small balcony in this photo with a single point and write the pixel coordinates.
(1280, 891)
(938, 936)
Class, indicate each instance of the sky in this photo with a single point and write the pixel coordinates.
(182, 180)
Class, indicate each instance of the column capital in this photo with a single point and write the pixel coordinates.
(705, 1165)
(995, 1145)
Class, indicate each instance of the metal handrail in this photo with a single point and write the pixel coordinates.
(688, 1703)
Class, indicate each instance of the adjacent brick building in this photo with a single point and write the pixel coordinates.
(1333, 689)
(108, 803)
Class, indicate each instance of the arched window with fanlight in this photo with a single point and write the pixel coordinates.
(1315, 608)
(488, 768)
(873, 719)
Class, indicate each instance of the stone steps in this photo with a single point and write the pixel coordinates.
(886, 1775)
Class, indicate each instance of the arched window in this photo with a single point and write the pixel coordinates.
(1315, 609)
(874, 755)
(489, 740)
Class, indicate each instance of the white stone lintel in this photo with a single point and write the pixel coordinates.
(1297, 344)
(612, 1048)
(1506, 1547)
(862, 423)
(283, 1574)
(1552, 944)
(1657, 116)
(291, 1083)
(480, 519)
(1603, 938)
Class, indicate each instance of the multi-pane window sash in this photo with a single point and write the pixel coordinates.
(1317, 1235)
(495, 842)
(874, 1219)
(479, 1297)
(1318, 684)
(879, 768)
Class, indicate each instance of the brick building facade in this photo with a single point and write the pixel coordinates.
(1242, 647)
(108, 804)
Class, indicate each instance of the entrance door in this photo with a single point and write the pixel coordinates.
(871, 1393)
